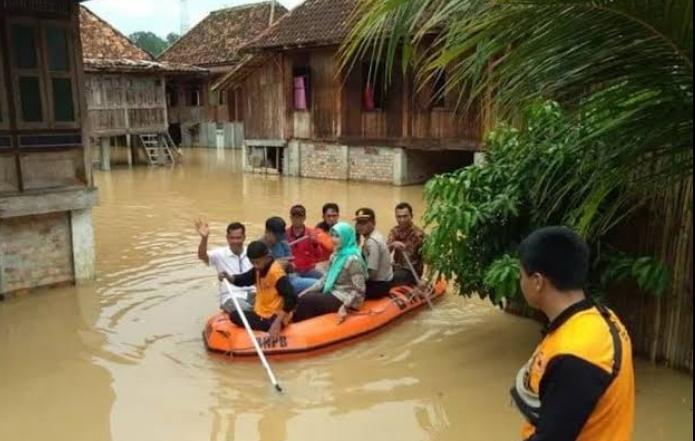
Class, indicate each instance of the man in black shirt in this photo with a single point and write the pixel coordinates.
(331, 214)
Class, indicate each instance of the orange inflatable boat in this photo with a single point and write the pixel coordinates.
(221, 335)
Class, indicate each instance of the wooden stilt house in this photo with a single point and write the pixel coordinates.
(126, 94)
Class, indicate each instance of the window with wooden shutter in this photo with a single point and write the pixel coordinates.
(60, 72)
(26, 60)
(301, 86)
(44, 74)
(40, 73)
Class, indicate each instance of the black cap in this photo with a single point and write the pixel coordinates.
(256, 250)
(365, 214)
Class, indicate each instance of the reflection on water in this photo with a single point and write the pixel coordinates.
(122, 358)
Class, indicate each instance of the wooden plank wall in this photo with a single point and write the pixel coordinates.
(183, 113)
(325, 95)
(407, 113)
(186, 114)
(264, 102)
(336, 108)
(120, 104)
(448, 122)
(352, 104)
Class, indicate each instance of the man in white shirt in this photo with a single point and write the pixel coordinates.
(232, 260)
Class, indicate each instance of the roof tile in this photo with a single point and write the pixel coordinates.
(313, 23)
(100, 40)
(217, 38)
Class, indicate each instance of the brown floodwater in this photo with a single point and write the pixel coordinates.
(122, 358)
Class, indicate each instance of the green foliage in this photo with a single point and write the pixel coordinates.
(149, 42)
(623, 73)
(651, 275)
(621, 67)
(479, 214)
(502, 278)
(172, 37)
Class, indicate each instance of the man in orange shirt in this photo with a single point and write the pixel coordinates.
(275, 297)
(579, 383)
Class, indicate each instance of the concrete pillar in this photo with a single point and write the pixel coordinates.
(83, 255)
(2, 268)
(239, 134)
(400, 167)
(129, 150)
(292, 159)
(345, 157)
(203, 135)
(186, 136)
(245, 157)
(479, 158)
(105, 156)
(209, 132)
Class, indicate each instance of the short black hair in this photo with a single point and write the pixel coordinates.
(256, 250)
(330, 206)
(298, 210)
(275, 225)
(559, 254)
(403, 205)
(236, 226)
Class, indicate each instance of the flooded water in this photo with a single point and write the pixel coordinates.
(122, 359)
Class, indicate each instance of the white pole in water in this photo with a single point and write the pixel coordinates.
(259, 351)
(417, 278)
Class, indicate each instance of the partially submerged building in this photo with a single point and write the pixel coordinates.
(46, 187)
(126, 94)
(200, 112)
(303, 116)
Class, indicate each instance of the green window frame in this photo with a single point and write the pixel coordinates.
(44, 74)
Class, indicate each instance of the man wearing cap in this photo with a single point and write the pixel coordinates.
(275, 297)
(308, 245)
(376, 253)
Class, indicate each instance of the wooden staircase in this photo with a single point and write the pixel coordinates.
(159, 148)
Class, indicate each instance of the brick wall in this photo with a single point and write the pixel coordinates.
(332, 161)
(371, 164)
(35, 251)
(374, 164)
(327, 161)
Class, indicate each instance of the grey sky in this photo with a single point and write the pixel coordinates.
(160, 16)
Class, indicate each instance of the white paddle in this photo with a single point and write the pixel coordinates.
(417, 278)
(259, 351)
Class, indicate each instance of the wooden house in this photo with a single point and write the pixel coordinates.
(200, 112)
(126, 94)
(46, 188)
(305, 117)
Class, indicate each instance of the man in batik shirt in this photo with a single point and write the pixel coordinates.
(406, 239)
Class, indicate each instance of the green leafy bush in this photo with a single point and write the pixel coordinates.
(532, 176)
